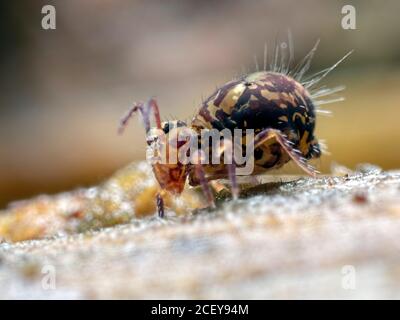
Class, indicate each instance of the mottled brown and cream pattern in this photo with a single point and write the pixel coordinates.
(260, 101)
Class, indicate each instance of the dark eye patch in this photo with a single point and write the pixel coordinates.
(151, 140)
(166, 128)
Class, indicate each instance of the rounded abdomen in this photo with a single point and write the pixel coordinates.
(259, 101)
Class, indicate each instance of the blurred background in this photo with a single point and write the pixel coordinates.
(63, 91)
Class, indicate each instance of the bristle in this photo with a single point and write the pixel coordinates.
(322, 102)
(256, 63)
(265, 57)
(323, 112)
(323, 91)
(319, 78)
(283, 64)
(299, 71)
(275, 61)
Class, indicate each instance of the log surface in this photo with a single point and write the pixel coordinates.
(333, 237)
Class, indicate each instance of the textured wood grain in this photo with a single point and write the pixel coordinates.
(298, 239)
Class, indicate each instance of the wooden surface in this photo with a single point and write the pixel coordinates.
(334, 237)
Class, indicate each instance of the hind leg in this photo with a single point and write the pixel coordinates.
(227, 147)
(287, 146)
(197, 176)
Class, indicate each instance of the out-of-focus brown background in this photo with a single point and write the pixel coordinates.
(63, 91)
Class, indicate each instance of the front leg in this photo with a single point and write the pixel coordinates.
(160, 205)
(199, 175)
(145, 109)
(227, 148)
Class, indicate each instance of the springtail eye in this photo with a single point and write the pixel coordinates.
(151, 140)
